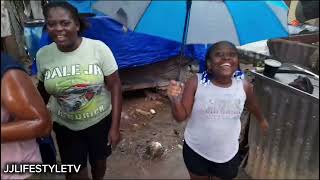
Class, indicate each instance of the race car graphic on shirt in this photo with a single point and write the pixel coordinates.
(78, 96)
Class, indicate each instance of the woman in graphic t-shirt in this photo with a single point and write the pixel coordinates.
(81, 76)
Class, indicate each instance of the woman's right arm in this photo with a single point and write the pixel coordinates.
(45, 96)
(182, 98)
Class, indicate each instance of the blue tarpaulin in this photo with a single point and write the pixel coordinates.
(133, 49)
(130, 49)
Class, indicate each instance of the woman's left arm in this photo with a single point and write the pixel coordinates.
(253, 106)
(113, 84)
(21, 99)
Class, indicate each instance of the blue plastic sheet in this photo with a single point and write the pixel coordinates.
(133, 49)
(32, 37)
(83, 6)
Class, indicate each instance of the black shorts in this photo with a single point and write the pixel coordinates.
(200, 166)
(75, 146)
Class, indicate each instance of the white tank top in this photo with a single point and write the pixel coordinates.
(214, 126)
(17, 152)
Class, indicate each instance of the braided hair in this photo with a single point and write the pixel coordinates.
(207, 75)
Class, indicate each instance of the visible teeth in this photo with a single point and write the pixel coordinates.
(225, 64)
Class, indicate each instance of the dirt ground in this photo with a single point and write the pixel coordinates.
(139, 127)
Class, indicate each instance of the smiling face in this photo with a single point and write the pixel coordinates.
(223, 60)
(62, 28)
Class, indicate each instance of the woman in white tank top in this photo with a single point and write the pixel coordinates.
(212, 104)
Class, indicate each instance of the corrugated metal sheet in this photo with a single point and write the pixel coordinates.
(291, 148)
(295, 52)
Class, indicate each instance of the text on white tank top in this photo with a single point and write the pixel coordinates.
(214, 126)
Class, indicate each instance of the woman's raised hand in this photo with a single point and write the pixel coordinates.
(175, 90)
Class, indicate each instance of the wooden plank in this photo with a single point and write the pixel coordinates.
(305, 38)
(153, 75)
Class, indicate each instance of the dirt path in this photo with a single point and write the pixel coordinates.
(139, 127)
(129, 159)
